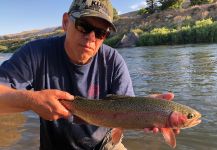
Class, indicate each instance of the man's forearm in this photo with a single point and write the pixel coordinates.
(45, 102)
(12, 100)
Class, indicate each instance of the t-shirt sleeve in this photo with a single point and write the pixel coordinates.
(16, 72)
(121, 80)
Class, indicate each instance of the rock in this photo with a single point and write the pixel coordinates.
(128, 40)
(169, 16)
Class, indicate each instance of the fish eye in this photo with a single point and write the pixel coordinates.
(190, 116)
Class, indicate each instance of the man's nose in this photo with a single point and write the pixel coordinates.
(90, 36)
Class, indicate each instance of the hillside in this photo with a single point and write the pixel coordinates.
(167, 18)
(125, 24)
(27, 34)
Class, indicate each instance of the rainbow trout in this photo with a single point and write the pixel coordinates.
(125, 112)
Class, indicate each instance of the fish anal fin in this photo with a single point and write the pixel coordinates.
(116, 135)
(169, 136)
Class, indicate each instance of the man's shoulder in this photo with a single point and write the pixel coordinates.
(40, 47)
(108, 51)
(110, 54)
(46, 42)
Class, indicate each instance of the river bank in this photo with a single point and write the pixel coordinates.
(202, 31)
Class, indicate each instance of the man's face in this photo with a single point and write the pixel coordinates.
(79, 46)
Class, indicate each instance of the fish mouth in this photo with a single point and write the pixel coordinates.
(195, 122)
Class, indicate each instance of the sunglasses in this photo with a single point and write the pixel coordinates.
(84, 27)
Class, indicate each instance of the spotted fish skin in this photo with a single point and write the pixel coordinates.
(131, 112)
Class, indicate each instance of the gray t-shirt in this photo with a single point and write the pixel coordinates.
(43, 64)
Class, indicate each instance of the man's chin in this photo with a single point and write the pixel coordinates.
(83, 61)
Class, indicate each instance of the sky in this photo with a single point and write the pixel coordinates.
(24, 15)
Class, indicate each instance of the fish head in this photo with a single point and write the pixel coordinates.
(184, 117)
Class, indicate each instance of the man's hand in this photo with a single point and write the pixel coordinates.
(167, 96)
(47, 105)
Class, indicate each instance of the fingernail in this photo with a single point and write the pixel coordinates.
(155, 130)
(67, 115)
(71, 97)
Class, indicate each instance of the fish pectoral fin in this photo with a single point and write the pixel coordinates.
(116, 135)
(169, 136)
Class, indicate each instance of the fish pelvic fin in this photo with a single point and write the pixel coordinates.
(116, 135)
(169, 136)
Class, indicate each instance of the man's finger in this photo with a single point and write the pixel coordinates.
(168, 96)
(155, 130)
(64, 95)
(176, 131)
(59, 110)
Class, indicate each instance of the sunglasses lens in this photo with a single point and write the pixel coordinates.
(101, 34)
(81, 26)
(86, 28)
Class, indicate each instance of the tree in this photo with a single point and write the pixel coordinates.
(143, 11)
(174, 4)
(151, 5)
(115, 14)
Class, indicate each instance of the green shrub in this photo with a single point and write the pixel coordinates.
(204, 22)
(157, 36)
(162, 30)
(113, 41)
(3, 48)
(203, 31)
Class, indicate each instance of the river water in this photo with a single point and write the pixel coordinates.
(189, 71)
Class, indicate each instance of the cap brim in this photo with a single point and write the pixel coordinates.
(92, 13)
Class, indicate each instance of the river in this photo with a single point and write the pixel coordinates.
(189, 71)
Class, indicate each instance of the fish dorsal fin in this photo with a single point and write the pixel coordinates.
(115, 97)
(169, 136)
(116, 135)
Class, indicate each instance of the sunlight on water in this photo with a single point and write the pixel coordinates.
(4, 56)
(11, 129)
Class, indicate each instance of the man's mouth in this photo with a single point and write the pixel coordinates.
(86, 46)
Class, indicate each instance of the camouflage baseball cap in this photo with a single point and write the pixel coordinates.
(93, 8)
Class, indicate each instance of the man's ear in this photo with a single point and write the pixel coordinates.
(65, 21)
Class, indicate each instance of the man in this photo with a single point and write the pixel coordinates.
(44, 71)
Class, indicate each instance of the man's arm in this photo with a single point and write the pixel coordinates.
(45, 103)
(9, 100)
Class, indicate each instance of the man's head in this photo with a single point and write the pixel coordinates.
(87, 24)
